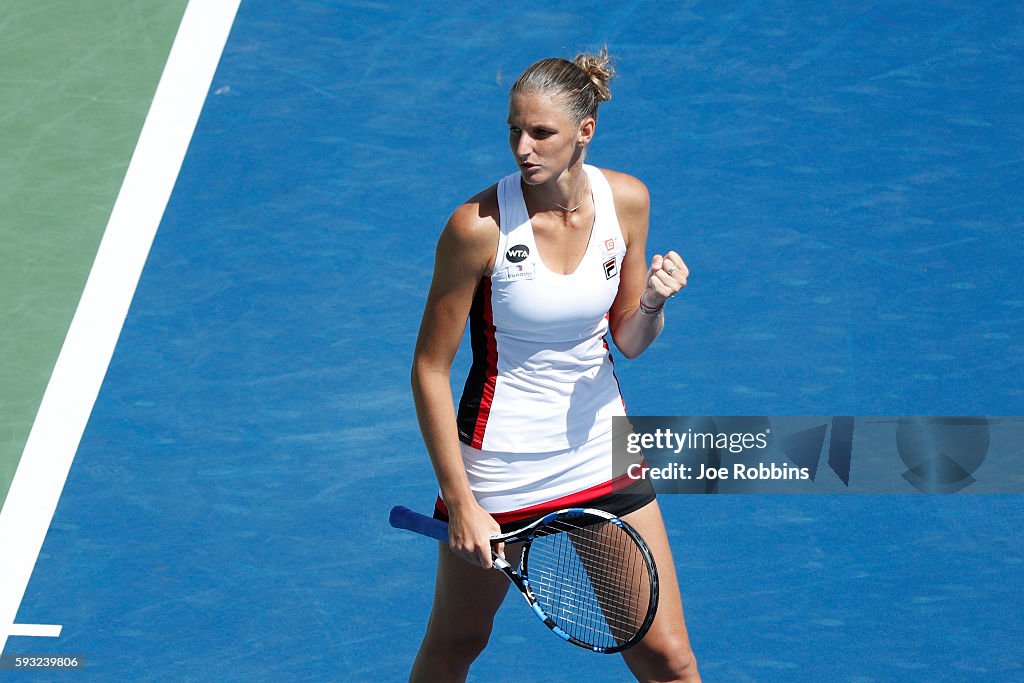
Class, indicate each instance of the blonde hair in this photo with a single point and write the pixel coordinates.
(582, 83)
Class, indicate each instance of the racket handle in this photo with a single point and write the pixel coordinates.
(404, 518)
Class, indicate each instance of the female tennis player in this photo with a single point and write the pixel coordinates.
(543, 264)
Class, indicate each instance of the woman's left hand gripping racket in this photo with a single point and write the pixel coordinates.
(587, 574)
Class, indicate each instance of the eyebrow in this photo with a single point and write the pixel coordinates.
(544, 125)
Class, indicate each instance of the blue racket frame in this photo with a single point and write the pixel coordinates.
(403, 518)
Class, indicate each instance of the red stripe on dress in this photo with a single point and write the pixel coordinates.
(491, 376)
(578, 499)
(611, 359)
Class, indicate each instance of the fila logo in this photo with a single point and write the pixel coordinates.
(610, 269)
(518, 253)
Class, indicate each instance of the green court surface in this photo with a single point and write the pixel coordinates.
(76, 80)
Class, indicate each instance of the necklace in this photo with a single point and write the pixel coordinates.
(586, 182)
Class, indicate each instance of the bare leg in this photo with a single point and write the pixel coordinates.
(466, 599)
(664, 654)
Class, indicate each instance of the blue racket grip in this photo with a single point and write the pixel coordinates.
(404, 518)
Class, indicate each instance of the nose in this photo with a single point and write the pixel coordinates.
(522, 145)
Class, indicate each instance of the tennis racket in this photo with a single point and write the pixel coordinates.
(587, 574)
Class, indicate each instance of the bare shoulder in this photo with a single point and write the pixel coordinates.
(476, 218)
(472, 230)
(630, 193)
(632, 204)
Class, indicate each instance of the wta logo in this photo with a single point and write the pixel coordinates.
(518, 253)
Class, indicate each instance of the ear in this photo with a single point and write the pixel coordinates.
(587, 127)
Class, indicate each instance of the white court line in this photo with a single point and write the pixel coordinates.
(89, 345)
(37, 630)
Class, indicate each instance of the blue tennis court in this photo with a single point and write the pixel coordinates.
(842, 179)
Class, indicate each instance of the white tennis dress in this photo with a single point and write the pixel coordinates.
(535, 415)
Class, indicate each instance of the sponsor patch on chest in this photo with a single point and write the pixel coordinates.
(520, 271)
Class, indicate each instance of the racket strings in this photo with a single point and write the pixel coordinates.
(627, 605)
(591, 579)
(600, 613)
(621, 558)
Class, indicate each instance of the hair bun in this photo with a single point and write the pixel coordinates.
(581, 85)
(600, 70)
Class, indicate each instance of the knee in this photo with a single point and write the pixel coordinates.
(466, 647)
(454, 651)
(683, 667)
(673, 661)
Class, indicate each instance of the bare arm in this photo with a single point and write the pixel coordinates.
(632, 329)
(465, 253)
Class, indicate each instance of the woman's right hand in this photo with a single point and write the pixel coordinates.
(469, 535)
